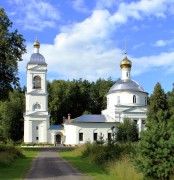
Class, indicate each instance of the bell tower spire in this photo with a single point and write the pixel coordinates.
(125, 66)
(36, 46)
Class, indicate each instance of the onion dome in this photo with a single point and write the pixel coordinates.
(36, 44)
(36, 57)
(125, 63)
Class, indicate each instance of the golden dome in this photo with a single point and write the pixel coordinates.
(36, 43)
(125, 63)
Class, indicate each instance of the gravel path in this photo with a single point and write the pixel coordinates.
(49, 166)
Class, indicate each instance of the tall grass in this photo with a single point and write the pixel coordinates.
(87, 157)
(123, 169)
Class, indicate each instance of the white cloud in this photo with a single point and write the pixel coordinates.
(160, 43)
(35, 14)
(85, 49)
(79, 5)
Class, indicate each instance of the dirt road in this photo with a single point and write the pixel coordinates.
(49, 166)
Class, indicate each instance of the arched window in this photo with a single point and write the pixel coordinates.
(37, 82)
(37, 106)
(134, 99)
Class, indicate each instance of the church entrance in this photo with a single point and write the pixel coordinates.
(58, 139)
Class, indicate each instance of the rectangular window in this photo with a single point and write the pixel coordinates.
(80, 136)
(37, 138)
(37, 127)
(135, 121)
(143, 121)
(109, 136)
(95, 136)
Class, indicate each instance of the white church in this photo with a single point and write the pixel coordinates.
(126, 98)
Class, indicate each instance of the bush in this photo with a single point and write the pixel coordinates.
(102, 154)
(8, 154)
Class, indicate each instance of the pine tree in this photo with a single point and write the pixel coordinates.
(157, 101)
(156, 148)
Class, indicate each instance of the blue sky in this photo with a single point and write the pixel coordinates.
(85, 38)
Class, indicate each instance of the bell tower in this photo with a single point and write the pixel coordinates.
(36, 117)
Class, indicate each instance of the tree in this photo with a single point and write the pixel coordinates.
(170, 100)
(11, 50)
(11, 116)
(127, 131)
(156, 147)
(157, 102)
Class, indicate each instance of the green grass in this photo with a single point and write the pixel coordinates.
(19, 167)
(120, 170)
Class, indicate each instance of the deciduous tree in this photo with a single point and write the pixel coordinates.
(11, 49)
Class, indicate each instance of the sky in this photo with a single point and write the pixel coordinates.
(86, 38)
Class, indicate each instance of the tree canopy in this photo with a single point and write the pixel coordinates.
(11, 49)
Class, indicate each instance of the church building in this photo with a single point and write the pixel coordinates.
(126, 98)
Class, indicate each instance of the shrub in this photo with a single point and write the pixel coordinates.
(8, 154)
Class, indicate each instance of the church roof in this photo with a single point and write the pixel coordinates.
(93, 118)
(126, 85)
(56, 127)
(37, 58)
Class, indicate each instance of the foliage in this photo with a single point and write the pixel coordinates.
(157, 101)
(100, 140)
(127, 131)
(8, 154)
(156, 147)
(170, 100)
(11, 116)
(76, 97)
(117, 169)
(11, 50)
(102, 154)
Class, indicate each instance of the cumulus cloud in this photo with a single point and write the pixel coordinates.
(35, 14)
(86, 49)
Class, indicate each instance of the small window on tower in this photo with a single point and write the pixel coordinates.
(127, 74)
(37, 82)
(37, 127)
(37, 138)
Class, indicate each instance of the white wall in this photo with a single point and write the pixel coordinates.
(72, 131)
(126, 98)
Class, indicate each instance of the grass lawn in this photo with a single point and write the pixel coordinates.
(18, 169)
